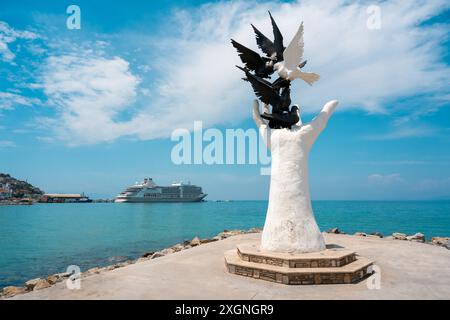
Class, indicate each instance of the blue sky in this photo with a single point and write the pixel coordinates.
(92, 110)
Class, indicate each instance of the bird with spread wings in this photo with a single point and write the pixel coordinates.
(262, 66)
(287, 62)
(277, 97)
(290, 67)
(273, 50)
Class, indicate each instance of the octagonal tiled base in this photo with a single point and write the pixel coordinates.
(325, 267)
(323, 259)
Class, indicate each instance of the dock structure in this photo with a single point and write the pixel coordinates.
(64, 198)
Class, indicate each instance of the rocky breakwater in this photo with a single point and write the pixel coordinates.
(41, 283)
(34, 284)
(417, 237)
(196, 241)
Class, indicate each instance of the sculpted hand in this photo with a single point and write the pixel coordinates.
(330, 106)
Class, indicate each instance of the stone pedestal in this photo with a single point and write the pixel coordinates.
(330, 266)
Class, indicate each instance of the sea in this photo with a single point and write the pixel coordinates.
(44, 239)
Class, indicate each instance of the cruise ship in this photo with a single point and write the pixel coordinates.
(149, 191)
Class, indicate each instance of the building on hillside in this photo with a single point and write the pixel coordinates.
(5, 191)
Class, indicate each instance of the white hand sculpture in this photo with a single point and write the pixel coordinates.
(290, 223)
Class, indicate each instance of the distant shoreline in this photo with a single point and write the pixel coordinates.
(94, 201)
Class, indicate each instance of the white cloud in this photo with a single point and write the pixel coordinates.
(10, 100)
(434, 185)
(196, 78)
(9, 35)
(88, 92)
(404, 132)
(377, 179)
(395, 186)
(395, 163)
(7, 144)
(360, 67)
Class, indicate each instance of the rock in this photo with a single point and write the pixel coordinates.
(216, 238)
(335, 231)
(399, 236)
(53, 279)
(202, 241)
(122, 264)
(94, 270)
(178, 247)
(11, 291)
(377, 234)
(62, 275)
(157, 254)
(441, 241)
(418, 237)
(115, 266)
(227, 233)
(30, 284)
(254, 230)
(41, 284)
(360, 234)
(167, 251)
(195, 242)
(36, 284)
(147, 254)
(57, 277)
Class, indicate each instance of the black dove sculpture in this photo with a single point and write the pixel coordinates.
(286, 62)
(274, 50)
(262, 66)
(277, 97)
(285, 119)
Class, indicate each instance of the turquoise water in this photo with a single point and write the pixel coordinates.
(44, 239)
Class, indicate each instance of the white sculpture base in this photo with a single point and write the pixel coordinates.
(326, 267)
(290, 223)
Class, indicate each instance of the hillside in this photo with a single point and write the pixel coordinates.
(18, 188)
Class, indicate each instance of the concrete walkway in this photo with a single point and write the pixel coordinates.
(409, 270)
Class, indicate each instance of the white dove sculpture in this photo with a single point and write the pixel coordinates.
(289, 68)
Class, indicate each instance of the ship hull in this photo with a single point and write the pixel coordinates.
(147, 200)
(149, 191)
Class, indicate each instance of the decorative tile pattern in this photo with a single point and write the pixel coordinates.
(299, 269)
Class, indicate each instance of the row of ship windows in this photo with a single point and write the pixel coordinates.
(177, 192)
(158, 195)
